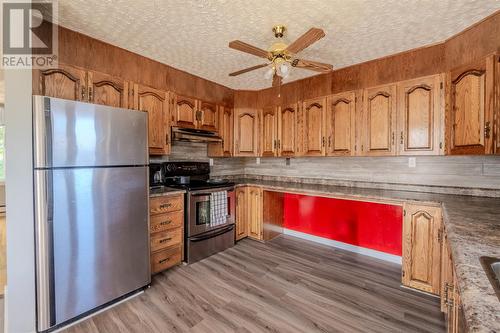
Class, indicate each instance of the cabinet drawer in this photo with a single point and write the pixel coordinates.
(164, 259)
(164, 239)
(165, 204)
(162, 222)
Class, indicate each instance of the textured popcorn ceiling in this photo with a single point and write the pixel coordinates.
(192, 35)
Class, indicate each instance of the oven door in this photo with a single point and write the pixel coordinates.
(199, 211)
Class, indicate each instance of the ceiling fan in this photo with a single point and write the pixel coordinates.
(282, 56)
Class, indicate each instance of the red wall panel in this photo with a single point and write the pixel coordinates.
(365, 224)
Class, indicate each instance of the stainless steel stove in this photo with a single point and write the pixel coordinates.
(209, 206)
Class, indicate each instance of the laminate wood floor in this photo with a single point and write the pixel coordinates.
(286, 285)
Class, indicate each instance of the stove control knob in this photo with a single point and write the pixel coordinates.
(170, 167)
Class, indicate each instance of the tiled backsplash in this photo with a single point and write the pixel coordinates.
(451, 174)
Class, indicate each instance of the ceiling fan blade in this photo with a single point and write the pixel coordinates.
(247, 69)
(310, 37)
(312, 65)
(247, 48)
(276, 80)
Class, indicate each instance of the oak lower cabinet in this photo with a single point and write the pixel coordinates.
(269, 132)
(287, 130)
(471, 97)
(420, 116)
(451, 303)
(246, 132)
(313, 127)
(166, 231)
(249, 213)
(341, 124)
(66, 82)
(422, 237)
(241, 213)
(157, 104)
(379, 121)
(226, 126)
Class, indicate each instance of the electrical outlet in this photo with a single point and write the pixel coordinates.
(211, 161)
(412, 162)
(257, 160)
(287, 161)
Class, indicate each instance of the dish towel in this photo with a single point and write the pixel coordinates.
(218, 208)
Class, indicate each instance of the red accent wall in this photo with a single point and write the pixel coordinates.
(371, 225)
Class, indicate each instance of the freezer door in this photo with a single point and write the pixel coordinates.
(68, 134)
(92, 236)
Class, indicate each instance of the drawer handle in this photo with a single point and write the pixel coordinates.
(165, 240)
(163, 260)
(165, 205)
(166, 222)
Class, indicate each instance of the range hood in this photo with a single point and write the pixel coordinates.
(194, 135)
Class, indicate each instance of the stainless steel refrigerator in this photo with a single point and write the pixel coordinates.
(91, 207)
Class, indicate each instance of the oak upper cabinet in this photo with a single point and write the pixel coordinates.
(470, 108)
(156, 104)
(226, 124)
(107, 90)
(66, 82)
(379, 123)
(313, 136)
(421, 116)
(255, 213)
(241, 213)
(246, 132)
(422, 237)
(287, 130)
(340, 124)
(269, 131)
(185, 111)
(207, 116)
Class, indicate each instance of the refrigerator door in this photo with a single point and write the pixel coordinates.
(70, 134)
(93, 223)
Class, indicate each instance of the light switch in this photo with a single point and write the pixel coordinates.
(211, 161)
(412, 162)
(257, 160)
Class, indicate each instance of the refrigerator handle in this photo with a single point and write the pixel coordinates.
(42, 132)
(44, 250)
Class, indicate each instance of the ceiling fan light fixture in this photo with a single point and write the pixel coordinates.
(284, 70)
(269, 73)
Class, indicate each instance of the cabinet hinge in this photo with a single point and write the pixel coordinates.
(441, 85)
(403, 273)
(404, 212)
(440, 145)
(440, 235)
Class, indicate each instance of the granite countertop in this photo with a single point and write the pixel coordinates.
(472, 226)
(164, 190)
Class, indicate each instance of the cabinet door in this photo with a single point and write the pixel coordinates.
(226, 123)
(156, 104)
(241, 213)
(255, 227)
(186, 112)
(65, 82)
(269, 131)
(420, 114)
(246, 132)
(496, 107)
(287, 130)
(379, 110)
(422, 248)
(340, 124)
(313, 112)
(107, 90)
(470, 112)
(208, 119)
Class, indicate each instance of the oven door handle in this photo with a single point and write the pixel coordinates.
(201, 194)
(213, 234)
